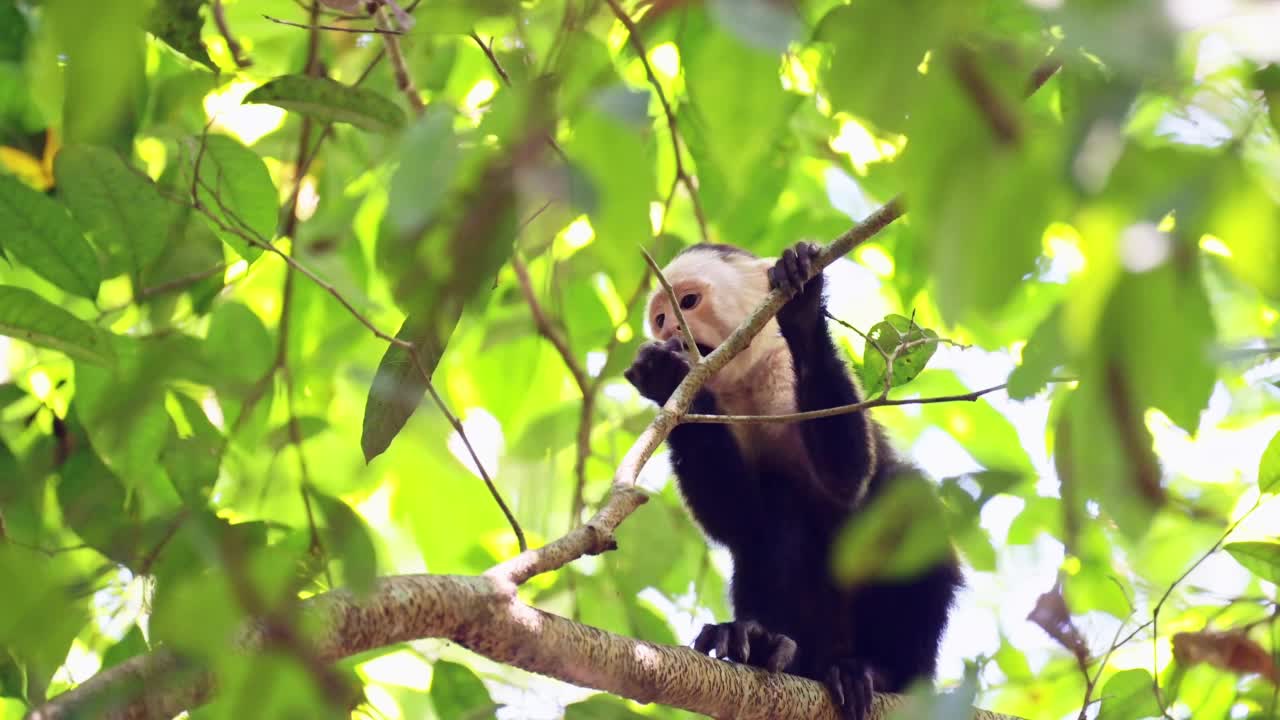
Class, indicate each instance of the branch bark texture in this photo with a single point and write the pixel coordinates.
(485, 616)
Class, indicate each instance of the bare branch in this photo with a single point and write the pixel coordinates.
(404, 81)
(233, 46)
(546, 329)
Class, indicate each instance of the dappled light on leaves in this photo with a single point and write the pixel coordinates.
(314, 318)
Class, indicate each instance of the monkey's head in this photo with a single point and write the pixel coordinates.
(717, 287)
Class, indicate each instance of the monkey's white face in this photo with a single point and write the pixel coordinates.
(716, 293)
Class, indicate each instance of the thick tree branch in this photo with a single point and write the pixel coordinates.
(485, 616)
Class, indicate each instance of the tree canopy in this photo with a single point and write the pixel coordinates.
(314, 316)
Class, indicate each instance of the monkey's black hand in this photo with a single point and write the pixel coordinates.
(852, 684)
(747, 642)
(658, 369)
(789, 273)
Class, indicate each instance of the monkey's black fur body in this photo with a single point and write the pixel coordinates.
(779, 522)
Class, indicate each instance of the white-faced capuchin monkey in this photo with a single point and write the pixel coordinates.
(777, 494)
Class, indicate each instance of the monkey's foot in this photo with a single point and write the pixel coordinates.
(789, 274)
(747, 642)
(852, 684)
(658, 369)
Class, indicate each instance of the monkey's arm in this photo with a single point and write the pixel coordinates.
(714, 478)
(842, 447)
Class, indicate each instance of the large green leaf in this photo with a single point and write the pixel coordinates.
(347, 540)
(103, 55)
(982, 198)
(40, 619)
(330, 101)
(895, 536)
(1260, 558)
(431, 156)
(41, 235)
(1128, 695)
(178, 23)
(888, 75)
(117, 204)
(729, 80)
(400, 384)
(1269, 466)
(236, 189)
(26, 316)
(1159, 328)
(457, 692)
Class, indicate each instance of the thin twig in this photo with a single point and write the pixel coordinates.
(233, 46)
(682, 174)
(336, 28)
(879, 401)
(404, 81)
(690, 342)
(546, 329)
(1155, 612)
(586, 418)
(487, 49)
(1002, 119)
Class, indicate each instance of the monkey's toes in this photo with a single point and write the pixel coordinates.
(852, 687)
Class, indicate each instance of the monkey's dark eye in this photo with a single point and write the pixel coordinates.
(690, 301)
(659, 320)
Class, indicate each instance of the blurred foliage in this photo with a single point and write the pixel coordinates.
(1092, 189)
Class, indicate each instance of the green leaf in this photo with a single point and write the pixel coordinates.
(1128, 695)
(399, 385)
(103, 57)
(236, 188)
(888, 76)
(193, 456)
(118, 205)
(1159, 327)
(895, 536)
(239, 343)
(40, 620)
(129, 646)
(347, 540)
(330, 101)
(457, 692)
(1269, 466)
(178, 23)
(1260, 558)
(1103, 452)
(913, 344)
(759, 23)
(430, 157)
(984, 201)
(13, 32)
(1043, 353)
(308, 427)
(616, 158)
(26, 316)
(601, 707)
(41, 235)
(729, 81)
